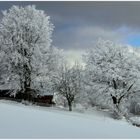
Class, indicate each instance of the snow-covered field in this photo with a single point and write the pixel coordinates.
(20, 121)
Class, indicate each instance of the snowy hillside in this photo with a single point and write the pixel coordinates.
(19, 121)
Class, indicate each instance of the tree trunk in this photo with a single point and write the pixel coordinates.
(27, 82)
(70, 105)
(117, 112)
(27, 71)
(27, 76)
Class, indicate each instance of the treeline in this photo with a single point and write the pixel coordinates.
(28, 62)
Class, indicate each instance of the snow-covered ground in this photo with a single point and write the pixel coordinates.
(20, 121)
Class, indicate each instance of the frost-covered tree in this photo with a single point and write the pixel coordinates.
(68, 83)
(111, 72)
(44, 80)
(3, 69)
(25, 35)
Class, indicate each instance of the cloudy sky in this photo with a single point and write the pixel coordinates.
(79, 24)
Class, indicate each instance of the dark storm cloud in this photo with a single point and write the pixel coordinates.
(78, 24)
(109, 14)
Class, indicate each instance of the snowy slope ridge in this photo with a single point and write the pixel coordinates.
(20, 121)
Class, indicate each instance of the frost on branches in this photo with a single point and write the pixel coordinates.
(25, 35)
(68, 83)
(111, 72)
